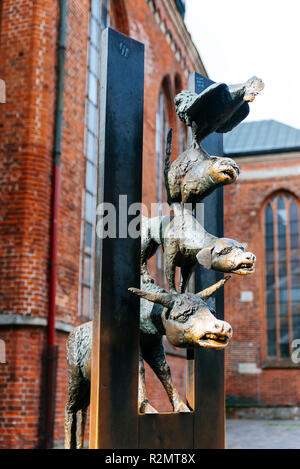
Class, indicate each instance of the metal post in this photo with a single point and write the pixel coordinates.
(114, 406)
(206, 374)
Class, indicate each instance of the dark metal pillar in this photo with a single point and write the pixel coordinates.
(114, 406)
(206, 367)
(115, 421)
(204, 427)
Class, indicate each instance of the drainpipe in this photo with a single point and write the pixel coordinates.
(52, 349)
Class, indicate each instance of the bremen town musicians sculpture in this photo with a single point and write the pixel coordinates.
(185, 318)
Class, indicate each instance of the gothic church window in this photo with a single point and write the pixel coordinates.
(282, 274)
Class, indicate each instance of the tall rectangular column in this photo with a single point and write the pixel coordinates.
(114, 406)
(206, 370)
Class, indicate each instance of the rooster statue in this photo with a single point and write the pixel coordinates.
(219, 108)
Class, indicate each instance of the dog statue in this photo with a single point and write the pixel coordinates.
(185, 243)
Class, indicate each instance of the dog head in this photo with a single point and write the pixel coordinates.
(227, 255)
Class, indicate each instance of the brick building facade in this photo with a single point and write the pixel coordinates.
(262, 209)
(29, 42)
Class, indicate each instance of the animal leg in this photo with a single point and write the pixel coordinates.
(148, 250)
(186, 272)
(170, 268)
(81, 420)
(77, 403)
(154, 355)
(70, 428)
(144, 406)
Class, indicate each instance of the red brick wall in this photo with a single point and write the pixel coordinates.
(72, 162)
(20, 380)
(243, 204)
(22, 390)
(27, 64)
(28, 40)
(156, 394)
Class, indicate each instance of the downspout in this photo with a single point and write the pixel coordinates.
(52, 349)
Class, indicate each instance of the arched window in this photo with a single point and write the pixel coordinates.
(282, 274)
(162, 127)
(182, 128)
(99, 19)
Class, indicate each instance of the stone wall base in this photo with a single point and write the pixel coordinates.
(264, 413)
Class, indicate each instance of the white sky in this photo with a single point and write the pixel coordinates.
(237, 39)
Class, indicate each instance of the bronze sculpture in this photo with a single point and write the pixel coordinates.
(185, 242)
(185, 318)
(219, 108)
(194, 174)
(187, 321)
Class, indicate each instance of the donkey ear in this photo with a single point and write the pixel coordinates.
(204, 257)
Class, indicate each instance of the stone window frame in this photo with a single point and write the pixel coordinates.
(182, 129)
(169, 87)
(99, 18)
(161, 130)
(166, 116)
(282, 262)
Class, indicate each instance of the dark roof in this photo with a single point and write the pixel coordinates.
(261, 137)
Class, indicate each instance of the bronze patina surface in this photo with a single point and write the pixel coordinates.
(194, 174)
(186, 320)
(185, 243)
(219, 108)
